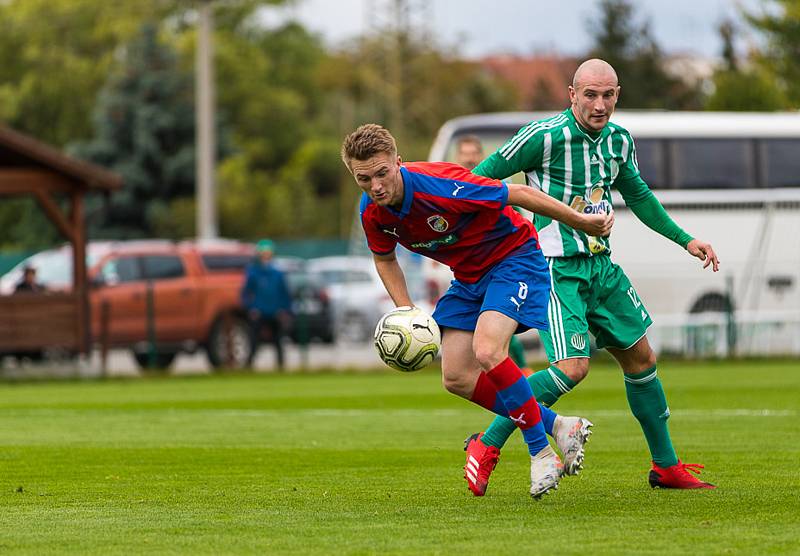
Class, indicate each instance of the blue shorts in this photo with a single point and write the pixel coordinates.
(518, 286)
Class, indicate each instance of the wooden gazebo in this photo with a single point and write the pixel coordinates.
(30, 167)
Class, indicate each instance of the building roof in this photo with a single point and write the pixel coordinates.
(540, 81)
(20, 151)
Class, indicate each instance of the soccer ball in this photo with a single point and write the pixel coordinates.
(407, 339)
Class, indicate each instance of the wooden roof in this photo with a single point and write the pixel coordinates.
(22, 155)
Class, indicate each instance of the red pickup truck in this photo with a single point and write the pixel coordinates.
(173, 296)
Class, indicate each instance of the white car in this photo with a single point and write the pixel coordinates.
(357, 294)
(53, 266)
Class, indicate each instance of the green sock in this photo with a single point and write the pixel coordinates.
(548, 385)
(649, 405)
(516, 352)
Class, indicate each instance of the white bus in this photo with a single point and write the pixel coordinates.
(732, 179)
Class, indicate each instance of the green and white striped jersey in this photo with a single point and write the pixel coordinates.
(561, 159)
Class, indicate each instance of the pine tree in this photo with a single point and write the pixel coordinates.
(144, 129)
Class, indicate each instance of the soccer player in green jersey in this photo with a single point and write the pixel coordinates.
(576, 157)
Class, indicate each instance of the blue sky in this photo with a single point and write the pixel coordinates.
(526, 26)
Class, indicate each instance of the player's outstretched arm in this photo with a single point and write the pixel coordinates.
(703, 251)
(541, 203)
(393, 278)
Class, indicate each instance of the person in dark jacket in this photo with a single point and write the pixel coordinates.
(265, 297)
(28, 282)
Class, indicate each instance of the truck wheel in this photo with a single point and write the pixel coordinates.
(229, 344)
(162, 360)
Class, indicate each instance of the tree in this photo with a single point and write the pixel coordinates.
(727, 30)
(55, 56)
(144, 130)
(779, 22)
(638, 60)
(284, 177)
(433, 84)
(741, 89)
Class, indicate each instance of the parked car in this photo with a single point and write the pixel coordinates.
(311, 303)
(358, 296)
(174, 296)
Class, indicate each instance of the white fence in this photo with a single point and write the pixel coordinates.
(739, 334)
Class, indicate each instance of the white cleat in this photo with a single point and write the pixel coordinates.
(546, 470)
(571, 435)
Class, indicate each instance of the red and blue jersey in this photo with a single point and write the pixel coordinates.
(450, 215)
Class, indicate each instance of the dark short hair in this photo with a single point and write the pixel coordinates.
(367, 141)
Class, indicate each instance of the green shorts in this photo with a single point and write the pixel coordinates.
(591, 294)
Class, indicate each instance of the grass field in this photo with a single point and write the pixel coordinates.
(371, 463)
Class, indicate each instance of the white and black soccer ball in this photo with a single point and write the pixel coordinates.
(407, 339)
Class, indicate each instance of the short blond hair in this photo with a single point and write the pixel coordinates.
(367, 141)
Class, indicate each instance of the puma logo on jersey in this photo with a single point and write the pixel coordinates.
(457, 189)
(391, 232)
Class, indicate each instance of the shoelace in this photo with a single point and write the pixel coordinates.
(693, 467)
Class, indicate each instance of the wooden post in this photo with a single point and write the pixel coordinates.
(79, 272)
(105, 317)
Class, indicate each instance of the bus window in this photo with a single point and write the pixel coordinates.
(781, 161)
(652, 159)
(713, 163)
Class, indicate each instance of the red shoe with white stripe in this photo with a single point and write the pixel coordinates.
(481, 461)
(677, 476)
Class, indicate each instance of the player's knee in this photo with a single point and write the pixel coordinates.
(489, 356)
(450, 384)
(648, 360)
(575, 369)
(577, 374)
(455, 383)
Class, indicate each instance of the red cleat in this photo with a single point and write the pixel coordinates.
(677, 476)
(481, 461)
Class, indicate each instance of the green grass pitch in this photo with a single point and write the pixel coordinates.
(360, 463)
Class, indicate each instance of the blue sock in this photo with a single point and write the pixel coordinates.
(515, 393)
(535, 438)
(548, 418)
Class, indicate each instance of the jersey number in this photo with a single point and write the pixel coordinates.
(634, 297)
